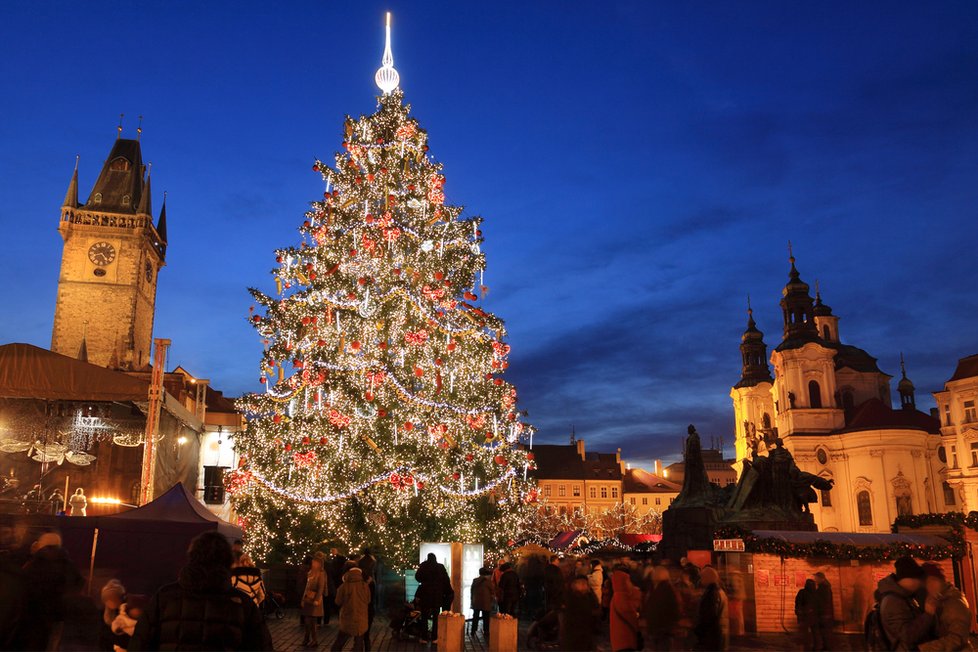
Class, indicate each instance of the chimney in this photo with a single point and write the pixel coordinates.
(658, 468)
(580, 448)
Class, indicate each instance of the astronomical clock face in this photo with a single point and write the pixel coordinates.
(101, 253)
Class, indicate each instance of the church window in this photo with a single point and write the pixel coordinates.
(864, 507)
(821, 456)
(826, 332)
(947, 414)
(98, 198)
(561, 491)
(942, 454)
(948, 494)
(125, 200)
(954, 457)
(826, 497)
(604, 492)
(970, 413)
(814, 394)
(974, 453)
(594, 492)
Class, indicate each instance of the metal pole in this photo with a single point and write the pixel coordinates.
(64, 506)
(153, 420)
(91, 563)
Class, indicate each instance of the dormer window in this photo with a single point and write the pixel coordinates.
(120, 164)
(98, 198)
(125, 200)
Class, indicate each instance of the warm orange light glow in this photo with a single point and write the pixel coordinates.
(102, 500)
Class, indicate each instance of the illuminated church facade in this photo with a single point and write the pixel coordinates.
(831, 405)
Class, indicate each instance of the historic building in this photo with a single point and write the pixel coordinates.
(830, 403)
(569, 478)
(78, 413)
(111, 257)
(956, 407)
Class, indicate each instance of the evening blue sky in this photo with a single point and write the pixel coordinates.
(640, 165)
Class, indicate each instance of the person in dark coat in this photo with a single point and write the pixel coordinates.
(905, 622)
(49, 577)
(807, 615)
(434, 587)
(661, 611)
(824, 613)
(554, 583)
(713, 623)
(481, 595)
(580, 617)
(201, 611)
(334, 575)
(509, 590)
(368, 567)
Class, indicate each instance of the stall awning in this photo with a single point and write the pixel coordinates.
(862, 539)
(28, 371)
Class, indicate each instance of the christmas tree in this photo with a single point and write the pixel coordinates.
(385, 420)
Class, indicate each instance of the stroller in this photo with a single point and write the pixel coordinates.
(272, 605)
(406, 623)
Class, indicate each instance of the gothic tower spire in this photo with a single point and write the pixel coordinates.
(907, 399)
(71, 197)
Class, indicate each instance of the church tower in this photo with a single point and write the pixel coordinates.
(753, 405)
(109, 264)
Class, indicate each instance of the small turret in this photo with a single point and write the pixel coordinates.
(71, 197)
(826, 323)
(753, 353)
(907, 399)
(797, 307)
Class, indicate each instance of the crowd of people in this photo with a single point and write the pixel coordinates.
(344, 586)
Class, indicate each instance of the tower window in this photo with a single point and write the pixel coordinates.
(826, 333)
(120, 164)
(125, 200)
(98, 198)
(865, 508)
(814, 394)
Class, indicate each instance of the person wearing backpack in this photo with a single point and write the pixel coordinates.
(902, 622)
(951, 612)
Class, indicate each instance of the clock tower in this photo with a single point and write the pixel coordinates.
(112, 255)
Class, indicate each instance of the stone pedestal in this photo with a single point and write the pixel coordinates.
(685, 529)
(502, 634)
(451, 632)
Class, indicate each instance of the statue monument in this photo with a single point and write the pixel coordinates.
(772, 494)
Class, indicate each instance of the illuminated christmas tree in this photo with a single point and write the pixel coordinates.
(385, 420)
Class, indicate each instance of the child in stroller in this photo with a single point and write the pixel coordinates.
(406, 622)
(272, 605)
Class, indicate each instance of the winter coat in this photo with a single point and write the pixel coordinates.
(904, 621)
(509, 588)
(78, 504)
(805, 610)
(48, 576)
(312, 597)
(713, 625)
(953, 623)
(353, 599)
(481, 593)
(824, 610)
(201, 611)
(594, 581)
(662, 610)
(579, 620)
(248, 580)
(553, 584)
(625, 601)
(368, 564)
(334, 572)
(434, 585)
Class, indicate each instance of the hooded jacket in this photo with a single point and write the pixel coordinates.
(353, 598)
(953, 623)
(904, 622)
(201, 611)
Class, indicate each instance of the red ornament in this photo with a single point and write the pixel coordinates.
(419, 484)
(418, 371)
(381, 413)
(263, 380)
(397, 272)
(500, 460)
(320, 342)
(305, 441)
(315, 167)
(530, 456)
(369, 396)
(277, 418)
(469, 457)
(408, 426)
(322, 440)
(288, 447)
(278, 259)
(353, 253)
(355, 345)
(256, 318)
(498, 382)
(380, 141)
(382, 345)
(470, 296)
(439, 276)
(451, 346)
(456, 475)
(312, 276)
(408, 480)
